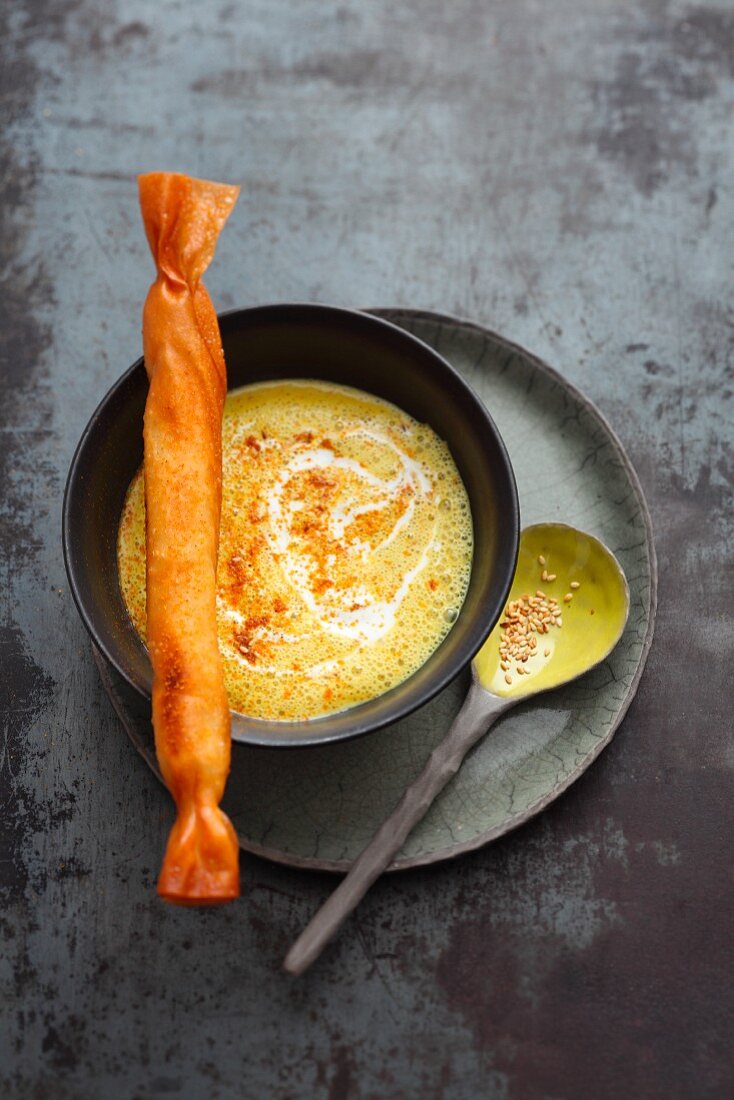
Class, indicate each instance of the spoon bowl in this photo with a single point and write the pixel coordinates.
(592, 597)
(592, 619)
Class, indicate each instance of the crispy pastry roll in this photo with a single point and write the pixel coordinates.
(183, 491)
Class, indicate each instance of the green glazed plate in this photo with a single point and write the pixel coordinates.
(317, 808)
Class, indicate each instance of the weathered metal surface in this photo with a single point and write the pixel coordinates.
(561, 172)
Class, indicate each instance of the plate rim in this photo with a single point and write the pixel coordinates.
(540, 804)
(454, 851)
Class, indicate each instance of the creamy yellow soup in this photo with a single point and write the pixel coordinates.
(345, 548)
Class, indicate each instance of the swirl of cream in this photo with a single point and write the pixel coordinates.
(352, 611)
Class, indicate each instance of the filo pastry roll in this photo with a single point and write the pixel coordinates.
(182, 434)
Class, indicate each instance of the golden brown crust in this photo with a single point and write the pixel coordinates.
(183, 474)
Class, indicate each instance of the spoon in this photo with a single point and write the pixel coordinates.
(555, 562)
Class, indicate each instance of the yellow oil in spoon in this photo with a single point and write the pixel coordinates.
(592, 620)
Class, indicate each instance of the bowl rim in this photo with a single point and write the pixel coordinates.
(443, 675)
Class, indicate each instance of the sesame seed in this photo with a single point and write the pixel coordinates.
(568, 597)
(541, 559)
(544, 575)
(546, 653)
(508, 678)
(575, 584)
(525, 619)
(552, 576)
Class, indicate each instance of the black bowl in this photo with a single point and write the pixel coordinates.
(302, 341)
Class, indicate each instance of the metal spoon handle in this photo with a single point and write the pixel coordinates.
(479, 711)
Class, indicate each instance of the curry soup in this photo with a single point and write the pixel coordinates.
(345, 548)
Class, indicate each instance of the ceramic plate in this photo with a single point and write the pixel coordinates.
(317, 808)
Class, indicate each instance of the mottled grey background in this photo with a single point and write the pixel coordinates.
(561, 171)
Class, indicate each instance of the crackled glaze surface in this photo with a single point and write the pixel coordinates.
(318, 808)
